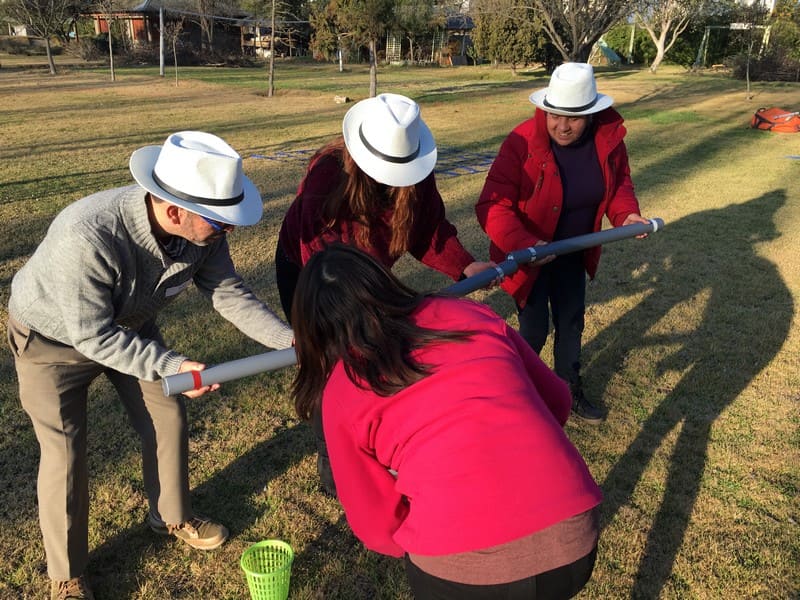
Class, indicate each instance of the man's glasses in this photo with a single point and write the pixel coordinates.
(216, 225)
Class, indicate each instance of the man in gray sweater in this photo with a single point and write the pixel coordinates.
(86, 303)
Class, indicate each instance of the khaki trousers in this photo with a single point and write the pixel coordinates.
(53, 387)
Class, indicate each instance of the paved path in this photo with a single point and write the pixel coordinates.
(451, 162)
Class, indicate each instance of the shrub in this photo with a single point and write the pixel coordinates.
(776, 65)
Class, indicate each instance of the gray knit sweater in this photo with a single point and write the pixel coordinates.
(99, 275)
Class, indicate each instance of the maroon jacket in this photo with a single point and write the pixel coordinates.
(433, 242)
(521, 200)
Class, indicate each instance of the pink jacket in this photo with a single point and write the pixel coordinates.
(433, 242)
(478, 446)
(521, 199)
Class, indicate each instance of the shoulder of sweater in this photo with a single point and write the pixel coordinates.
(91, 215)
(327, 162)
(321, 177)
(114, 216)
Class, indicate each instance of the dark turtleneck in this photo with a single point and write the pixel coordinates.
(582, 181)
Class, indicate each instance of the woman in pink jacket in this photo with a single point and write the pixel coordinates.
(555, 177)
(445, 434)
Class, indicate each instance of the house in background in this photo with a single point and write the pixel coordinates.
(446, 45)
(139, 22)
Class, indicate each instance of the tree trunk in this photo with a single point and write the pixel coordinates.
(582, 54)
(271, 85)
(659, 57)
(50, 63)
(111, 52)
(373, 69)
(161, 42)
(175, 56)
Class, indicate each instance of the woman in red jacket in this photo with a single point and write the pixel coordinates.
(445, 435)
(555, 177)
(373, 187)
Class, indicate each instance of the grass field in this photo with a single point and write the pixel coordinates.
(692, 339)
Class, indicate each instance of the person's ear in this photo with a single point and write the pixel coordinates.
(175, 214)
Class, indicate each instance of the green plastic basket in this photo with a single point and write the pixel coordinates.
(267, 566)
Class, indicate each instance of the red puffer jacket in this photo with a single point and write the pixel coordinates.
(521, 200)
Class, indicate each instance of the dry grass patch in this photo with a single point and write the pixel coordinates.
(691, 340)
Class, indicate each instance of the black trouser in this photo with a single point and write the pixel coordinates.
(559, 289)
(286, 275)
(557, 584)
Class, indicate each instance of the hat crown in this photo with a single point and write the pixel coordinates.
(388, 140)
(392, 127)
(201, 167)
(572, 87)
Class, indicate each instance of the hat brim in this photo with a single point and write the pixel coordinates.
(383, 171)
(601, 103)
(246, 212)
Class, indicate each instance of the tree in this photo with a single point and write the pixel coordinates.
(665, 21)
(172, 33)
(206, 9)
(366, 21)
(507, 31)
(106, 8)
(362, 22)
(325, 39)
(573, 26)
(45, 18)
(283, 16)
(785, 39)
(414, 18)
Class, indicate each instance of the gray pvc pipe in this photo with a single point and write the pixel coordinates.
(278, 359)
(227, 371)
(528, 255)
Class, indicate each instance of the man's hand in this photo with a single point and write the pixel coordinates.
(190, 365)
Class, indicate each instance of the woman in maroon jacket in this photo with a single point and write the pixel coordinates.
(445, 433)
(555, 177)
(373, 187)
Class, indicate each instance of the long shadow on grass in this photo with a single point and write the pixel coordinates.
(708, 259)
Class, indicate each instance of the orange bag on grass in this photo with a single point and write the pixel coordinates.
(776, 119)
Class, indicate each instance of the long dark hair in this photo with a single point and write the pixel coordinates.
(364, 200)
(349, 307)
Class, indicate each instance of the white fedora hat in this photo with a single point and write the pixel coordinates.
(572, 92)
(389, 141)
(199, 172)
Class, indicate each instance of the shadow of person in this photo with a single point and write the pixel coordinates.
(713, 313)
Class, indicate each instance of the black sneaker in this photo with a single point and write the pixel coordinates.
(582, 408)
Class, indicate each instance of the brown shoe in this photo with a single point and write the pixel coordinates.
(198, 532)
(75, 588)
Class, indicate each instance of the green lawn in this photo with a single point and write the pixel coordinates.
(691, 341)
